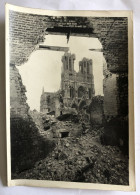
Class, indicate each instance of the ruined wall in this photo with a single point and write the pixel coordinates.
(26, 141)
(115, 87)
(115, 109)
(96, 110)
(27, 30)
(18, 104)
(47, 102)
(110, 89)
(122, 83)
(113, 35)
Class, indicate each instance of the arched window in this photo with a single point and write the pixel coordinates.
(87, 68)
(66, 66)
(48, 99)
(70, 67)
(89, 93)
(82, 70)
(81, 91)
(71, 92)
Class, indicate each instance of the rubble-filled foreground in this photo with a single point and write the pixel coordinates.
(81, 159)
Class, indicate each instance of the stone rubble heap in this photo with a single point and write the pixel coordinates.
(82, 159)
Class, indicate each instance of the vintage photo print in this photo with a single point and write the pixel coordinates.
(69, 85)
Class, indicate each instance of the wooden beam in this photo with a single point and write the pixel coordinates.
(54, 48)
(97, 50)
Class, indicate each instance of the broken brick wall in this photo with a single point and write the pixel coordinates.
(26, 141)
(28, 30)
(116, 129)
(18, 105)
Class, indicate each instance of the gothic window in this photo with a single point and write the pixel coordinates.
(67, 66)
(88, 68)
(48, 99)
(89, 93)
(82, 68)
(70, 67)
(81, 92)
(84, 64)
(71, 92)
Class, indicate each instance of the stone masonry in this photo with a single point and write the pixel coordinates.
(19, 107)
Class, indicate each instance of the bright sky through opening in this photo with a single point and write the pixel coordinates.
(43, 68)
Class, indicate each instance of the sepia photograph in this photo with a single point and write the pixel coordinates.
(69, 117)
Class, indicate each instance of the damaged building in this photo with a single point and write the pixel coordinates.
(77, 88)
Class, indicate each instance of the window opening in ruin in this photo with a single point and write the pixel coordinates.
(52, 66)
(71, 92)
(64, 134)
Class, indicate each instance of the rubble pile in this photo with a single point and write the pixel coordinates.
(43, 122)
(82, 159)
(49, 127)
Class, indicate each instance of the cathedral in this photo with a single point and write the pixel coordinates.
(76, 90)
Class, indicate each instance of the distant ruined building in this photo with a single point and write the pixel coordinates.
(77, 88)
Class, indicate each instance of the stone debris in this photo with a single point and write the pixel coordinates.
(78, 155)
(83, 159)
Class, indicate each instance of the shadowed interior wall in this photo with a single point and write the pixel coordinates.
(111, 96)
(96, 110)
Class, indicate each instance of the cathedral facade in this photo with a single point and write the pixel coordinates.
(77, 88)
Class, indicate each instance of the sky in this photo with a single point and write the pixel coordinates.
(43, 69)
